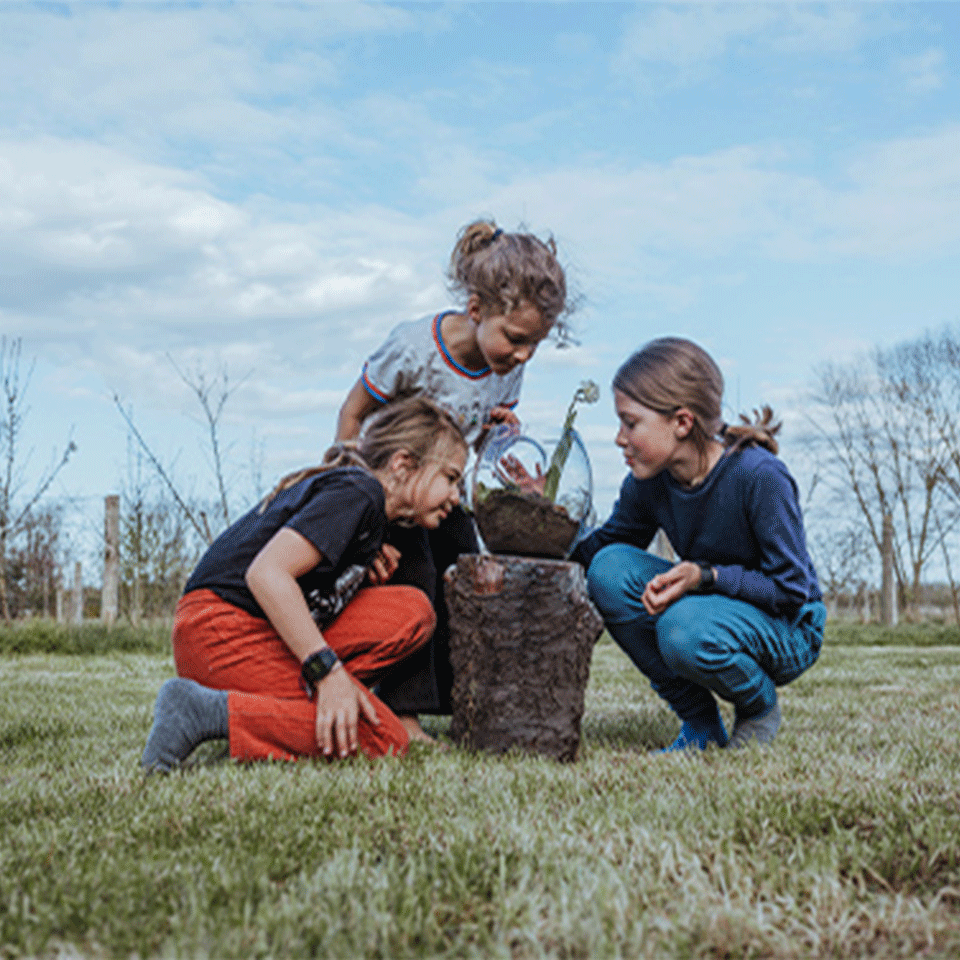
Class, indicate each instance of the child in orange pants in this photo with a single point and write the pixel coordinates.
(271, 650)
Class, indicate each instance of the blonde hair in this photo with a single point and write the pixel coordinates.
(416, 425)
(502, 269)
(671, 372)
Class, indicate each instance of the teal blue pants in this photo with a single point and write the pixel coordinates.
(702, 644)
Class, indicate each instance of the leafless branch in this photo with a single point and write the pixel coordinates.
(212, 396)
(200, 525)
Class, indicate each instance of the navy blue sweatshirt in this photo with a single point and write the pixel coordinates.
(744, 520)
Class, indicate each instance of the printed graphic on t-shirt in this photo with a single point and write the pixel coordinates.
(413, 359)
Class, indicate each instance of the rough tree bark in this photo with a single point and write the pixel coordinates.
(522, 633)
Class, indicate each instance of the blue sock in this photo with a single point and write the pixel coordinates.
(697, 733)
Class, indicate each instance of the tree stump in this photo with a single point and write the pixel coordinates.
(522, 633)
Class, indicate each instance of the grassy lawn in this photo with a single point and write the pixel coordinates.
(841, 840)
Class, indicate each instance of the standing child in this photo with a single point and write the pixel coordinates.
(470, 361)
(741, 613)
(250, 619)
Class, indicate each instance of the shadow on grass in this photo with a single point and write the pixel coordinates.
(629, 730)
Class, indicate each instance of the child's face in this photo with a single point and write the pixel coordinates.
(508, 339)
(434, 488)
(649, 439)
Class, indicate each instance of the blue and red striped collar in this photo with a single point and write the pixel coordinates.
(445, 353)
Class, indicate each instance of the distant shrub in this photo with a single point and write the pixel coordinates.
(902, 635)
(47, 636)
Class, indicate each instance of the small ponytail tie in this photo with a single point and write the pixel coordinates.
(496, 235)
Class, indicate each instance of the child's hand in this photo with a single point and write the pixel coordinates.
(499, 414)
(384, 564)
(503, 414)
(668, 587)
(339, 702)
(511, 470)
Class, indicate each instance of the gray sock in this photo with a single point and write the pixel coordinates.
(185, 715)
(760, 730)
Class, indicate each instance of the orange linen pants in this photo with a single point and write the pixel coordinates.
(221, 646)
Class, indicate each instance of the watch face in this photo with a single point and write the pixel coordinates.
(319, 664)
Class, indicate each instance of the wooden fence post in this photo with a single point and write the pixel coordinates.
(888, 587)
(77, 610)
(109, 603)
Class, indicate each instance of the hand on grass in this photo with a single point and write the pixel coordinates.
(668, 587)
(384, 565)
(339, 703)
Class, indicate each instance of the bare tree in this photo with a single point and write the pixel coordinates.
(157, 550)
(883, 422)
(35, 561)
(942, 353)
(14, 510)
(196, 517)
(212, 393)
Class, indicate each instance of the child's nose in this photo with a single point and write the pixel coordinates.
(523, 354)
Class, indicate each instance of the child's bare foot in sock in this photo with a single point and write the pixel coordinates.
(184, 716)
(416, 733)
(760, 729)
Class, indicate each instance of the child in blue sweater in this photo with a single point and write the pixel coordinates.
(741, 613)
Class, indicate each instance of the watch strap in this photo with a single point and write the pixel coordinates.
(317, 666)
(708, 579)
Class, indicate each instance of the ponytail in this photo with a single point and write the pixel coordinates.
(758, 432)
(503, 269)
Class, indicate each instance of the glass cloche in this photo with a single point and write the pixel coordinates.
(531, 498)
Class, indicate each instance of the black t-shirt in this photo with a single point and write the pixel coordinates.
(340, 511)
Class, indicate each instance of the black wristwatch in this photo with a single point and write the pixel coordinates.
(316, 667)
(708, 578)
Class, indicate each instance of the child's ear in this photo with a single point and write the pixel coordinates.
(402, 462)
(684, 421)
(474, 308)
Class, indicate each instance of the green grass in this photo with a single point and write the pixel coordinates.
(904, 634)
(843, 840)
(90, 637)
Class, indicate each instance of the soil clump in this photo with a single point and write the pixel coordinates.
(525, 524)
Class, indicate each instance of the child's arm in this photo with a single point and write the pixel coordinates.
(356, 408)
(272, 579)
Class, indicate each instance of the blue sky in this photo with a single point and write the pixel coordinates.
(271, 187)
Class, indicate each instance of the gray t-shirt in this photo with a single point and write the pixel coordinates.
(414, 359)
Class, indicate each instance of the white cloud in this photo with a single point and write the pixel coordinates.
(98, 246)
(925, 72)
(84, 221)
(687, 37)
(894, 199)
